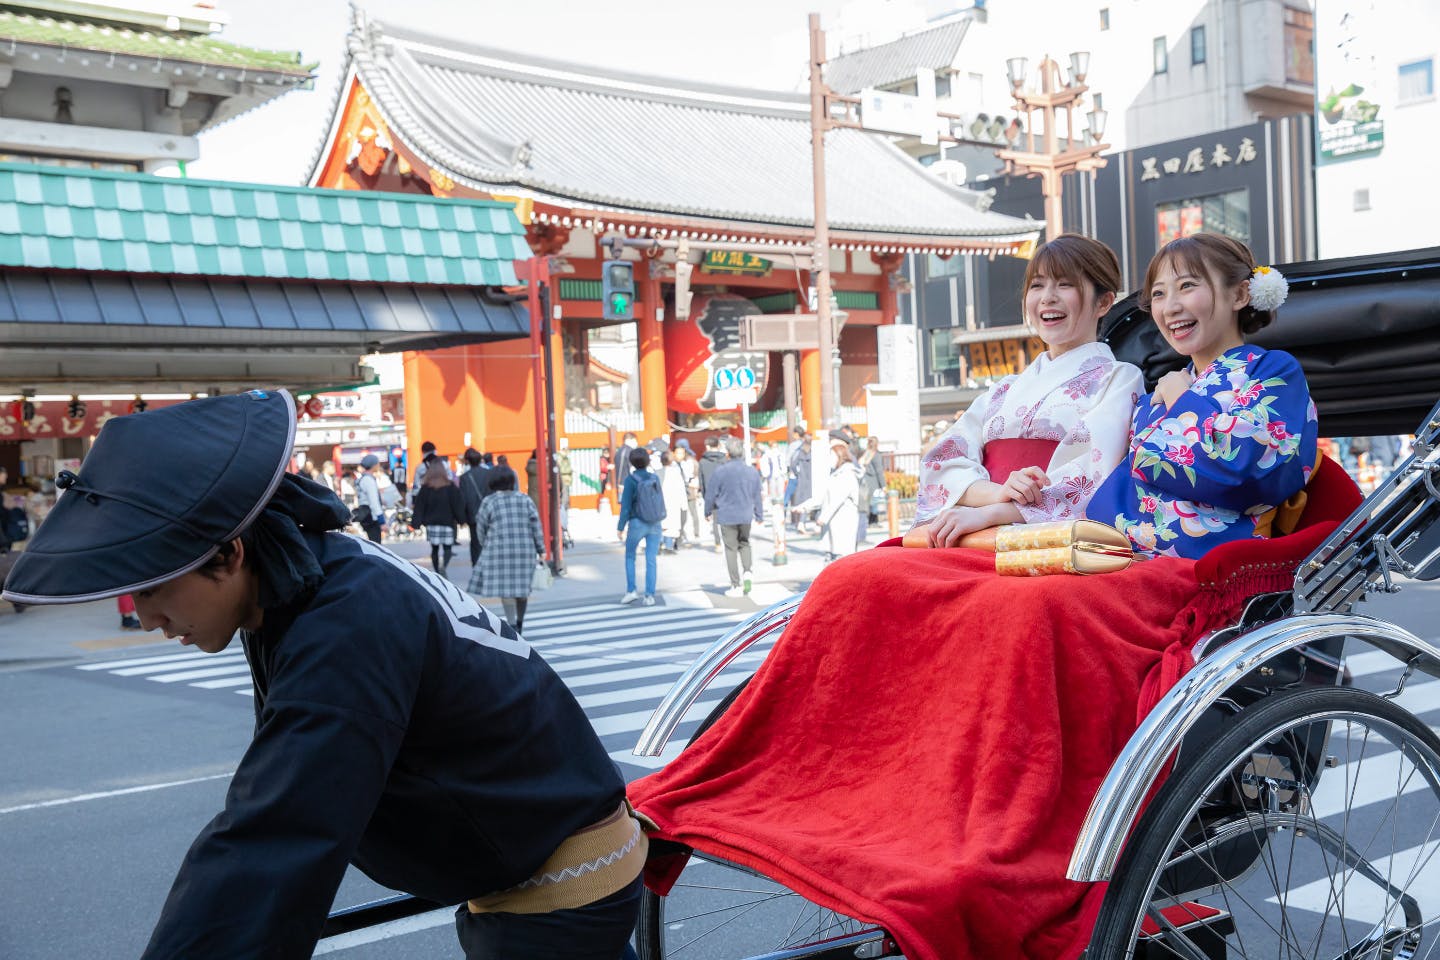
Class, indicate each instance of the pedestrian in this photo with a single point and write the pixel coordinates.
(440, 509)
(840, 501)
(801, 491)
(369, 512)
(511, 544)
(445, 758)
(621, 462)
(532, 479)
(733, 498)
(690, 473)
(427, 455)
(872, 479)
(606, 472)
(710, 461)
(328, 477)
(474, 484)
(642, 508)
(672, 487)
(792, 482)
(566, 472)
(308, 470)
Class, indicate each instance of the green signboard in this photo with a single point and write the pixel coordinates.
(735, 263)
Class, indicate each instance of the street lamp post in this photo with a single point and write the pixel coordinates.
(1054, 157)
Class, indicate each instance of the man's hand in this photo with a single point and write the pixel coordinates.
(1025, 485)
(1172, 386)
(619, 534)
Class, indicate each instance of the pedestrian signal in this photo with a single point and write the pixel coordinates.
(618, 290)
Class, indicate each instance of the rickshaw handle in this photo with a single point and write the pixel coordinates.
(1121, 797)
(687, 689)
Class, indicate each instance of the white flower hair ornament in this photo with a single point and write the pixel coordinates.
(1268, 288)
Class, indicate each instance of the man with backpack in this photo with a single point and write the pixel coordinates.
(642, 507)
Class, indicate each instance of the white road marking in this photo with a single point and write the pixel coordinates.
(105, 794)
(386, 931)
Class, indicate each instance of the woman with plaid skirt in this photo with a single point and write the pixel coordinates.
(440, 508)
(510, 542)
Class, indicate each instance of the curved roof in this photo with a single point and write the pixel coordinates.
(501, 122)
(935, 49)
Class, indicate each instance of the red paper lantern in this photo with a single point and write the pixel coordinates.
(694, 348)
(314, 407)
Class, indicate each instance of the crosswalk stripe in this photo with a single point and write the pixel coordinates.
(591, 650)
(230, 669)
(652, 692)
(1416, 869)
(136, 661)
(628, 629)
(224, 682)
(624, 641)
(165, 667)
(568, 614)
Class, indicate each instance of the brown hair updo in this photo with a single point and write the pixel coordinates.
(1211, 257)
(1076, 257)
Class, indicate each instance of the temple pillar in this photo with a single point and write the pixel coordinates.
(810, 389)
(654, 405)
(414, 416)
(889, 264)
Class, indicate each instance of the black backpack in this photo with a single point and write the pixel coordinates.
(649, 500)
(16, 524)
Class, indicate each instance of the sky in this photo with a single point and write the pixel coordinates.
(753, 43)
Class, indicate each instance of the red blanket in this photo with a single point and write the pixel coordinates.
(921, 746)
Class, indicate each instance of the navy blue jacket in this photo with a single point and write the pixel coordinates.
(399, 726)
(733, 494)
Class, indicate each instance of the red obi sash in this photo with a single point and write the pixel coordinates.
(1004, 457)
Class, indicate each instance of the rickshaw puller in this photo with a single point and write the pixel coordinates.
(398, 724)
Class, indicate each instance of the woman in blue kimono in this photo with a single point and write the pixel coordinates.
(1218, 444)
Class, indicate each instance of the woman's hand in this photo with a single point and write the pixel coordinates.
(1172, 386)
(947, 527)
(1025, 485)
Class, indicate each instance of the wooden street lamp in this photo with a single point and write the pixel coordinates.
(1055, 156)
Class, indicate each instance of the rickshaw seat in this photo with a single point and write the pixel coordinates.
(1331, 496)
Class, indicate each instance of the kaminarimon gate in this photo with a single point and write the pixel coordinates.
(584, 153)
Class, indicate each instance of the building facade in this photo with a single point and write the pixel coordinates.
(588, 156)
(1377, 119)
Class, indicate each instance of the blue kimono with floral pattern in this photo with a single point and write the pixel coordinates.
(1240, 441)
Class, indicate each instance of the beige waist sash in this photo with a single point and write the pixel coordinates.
(590, 864)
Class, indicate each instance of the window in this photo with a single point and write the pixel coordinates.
(944, 354)
(1223, 213)
(1162, 56)
(1197, 45)
(935, 268)
(1104, 18)
(1299, 46)
(1417, 80)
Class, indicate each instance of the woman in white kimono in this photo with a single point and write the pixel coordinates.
(672, 488)
(1038, 444)
(840, 502)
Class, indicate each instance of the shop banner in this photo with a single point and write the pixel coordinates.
(1349, 125)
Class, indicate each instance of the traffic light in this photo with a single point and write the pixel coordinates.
(618, 290)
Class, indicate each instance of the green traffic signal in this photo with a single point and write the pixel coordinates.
(619, 303)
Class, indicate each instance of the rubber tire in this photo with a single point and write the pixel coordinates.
(649, 943)
(1170, 811)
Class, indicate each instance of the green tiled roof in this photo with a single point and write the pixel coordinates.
(57, 218)
(81, 34)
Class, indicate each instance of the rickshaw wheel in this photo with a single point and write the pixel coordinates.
(722, 910)
(1309, 828)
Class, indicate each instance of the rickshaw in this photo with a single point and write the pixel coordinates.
(1266, 805)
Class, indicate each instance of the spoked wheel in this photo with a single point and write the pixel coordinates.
(1308, 829)
(722, 911)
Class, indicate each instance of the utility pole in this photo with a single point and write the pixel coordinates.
(820, 124)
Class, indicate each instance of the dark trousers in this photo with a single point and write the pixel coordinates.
(737, 548)
(372, 529)
(598, 931)
(474, 544)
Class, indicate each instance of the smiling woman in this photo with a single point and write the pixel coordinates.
(1222, 442)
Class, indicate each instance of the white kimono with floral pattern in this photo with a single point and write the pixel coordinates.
(1083, 400)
